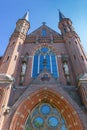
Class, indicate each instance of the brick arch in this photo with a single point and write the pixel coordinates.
(49, 96)
(44, 45)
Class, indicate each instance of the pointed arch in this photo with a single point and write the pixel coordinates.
(50, 96)
(44, 45)
(44, 57)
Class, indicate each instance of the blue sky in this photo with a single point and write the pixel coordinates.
(40, 11)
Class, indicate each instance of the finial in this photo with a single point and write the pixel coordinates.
(26, 16)
(43, 23)
(61, 16)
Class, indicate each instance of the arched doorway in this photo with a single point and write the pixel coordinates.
(50, 99)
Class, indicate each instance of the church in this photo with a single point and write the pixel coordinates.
(43, 78)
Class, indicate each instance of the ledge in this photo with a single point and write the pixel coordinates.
(5, 78)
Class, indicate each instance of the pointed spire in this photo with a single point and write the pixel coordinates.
(26, 16)
(61, 16)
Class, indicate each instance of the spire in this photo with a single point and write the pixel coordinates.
(61, 16)
(26, 16)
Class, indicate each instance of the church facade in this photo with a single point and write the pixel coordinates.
(43, 79)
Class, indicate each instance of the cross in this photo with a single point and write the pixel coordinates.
(43, 23)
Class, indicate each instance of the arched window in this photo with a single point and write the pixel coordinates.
(44, 33)
(45, 117)
(45, 58)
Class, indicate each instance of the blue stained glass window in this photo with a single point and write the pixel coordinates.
(35, 66)
(38, 122)
(42, 60)
(48, 62)
(44, 49)
(45, 109)
(53, 121)
(63, 128)
(54, 66)
(43, 117)
(44, 33)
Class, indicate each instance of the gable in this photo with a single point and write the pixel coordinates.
(44, 34)
(41, 31)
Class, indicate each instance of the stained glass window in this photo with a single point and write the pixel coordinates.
(45, 117)
(44, 33)
(45, 58)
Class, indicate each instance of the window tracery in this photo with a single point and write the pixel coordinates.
(45, 58)
(45, 117)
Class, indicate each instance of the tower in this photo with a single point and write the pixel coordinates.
(43, 79)
(73, 45)
(76, 53)
(9, 63)
(16, 41)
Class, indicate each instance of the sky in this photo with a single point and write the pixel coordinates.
(42, 11)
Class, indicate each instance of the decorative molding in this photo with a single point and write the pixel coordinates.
(5, 78)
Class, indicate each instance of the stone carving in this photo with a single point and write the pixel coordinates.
(23, 68)
(66, 68)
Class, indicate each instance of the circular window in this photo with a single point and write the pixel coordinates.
(53, 121)
(38, 122)
(46, 117)
(45, 109)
